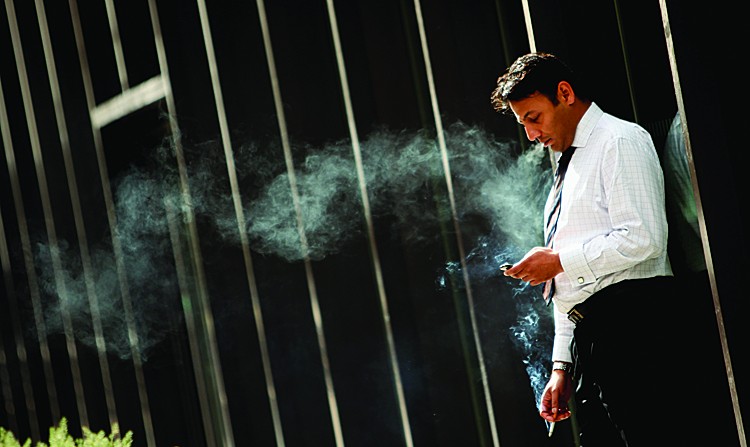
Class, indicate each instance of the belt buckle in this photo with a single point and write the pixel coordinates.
(575, 315)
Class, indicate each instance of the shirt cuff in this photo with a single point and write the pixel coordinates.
(574, 263)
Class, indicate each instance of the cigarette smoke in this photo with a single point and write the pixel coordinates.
(403, 171)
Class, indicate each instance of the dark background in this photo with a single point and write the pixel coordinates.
(619, 46)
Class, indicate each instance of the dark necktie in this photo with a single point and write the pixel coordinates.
(551, 223)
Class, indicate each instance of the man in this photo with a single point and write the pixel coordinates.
(605, 266)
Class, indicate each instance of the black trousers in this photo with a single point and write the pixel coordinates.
(634, 384)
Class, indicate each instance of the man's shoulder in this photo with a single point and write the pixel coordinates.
(598, 128)
(613, 128)
(613, 122)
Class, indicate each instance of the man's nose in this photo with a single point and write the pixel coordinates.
(531, 133)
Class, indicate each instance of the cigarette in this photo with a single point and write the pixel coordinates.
(551, 429)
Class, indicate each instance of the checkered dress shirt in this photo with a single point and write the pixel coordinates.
(612, 224)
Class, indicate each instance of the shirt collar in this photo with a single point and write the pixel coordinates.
(586, 125)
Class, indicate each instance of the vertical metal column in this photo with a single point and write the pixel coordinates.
(370, 227)
(529, 26)
(48, 215)
(454, 214)
(75, 201)
(114, 30)
(626, 61)
(187, 298)
(31, 277)
(176, 135)
(15, 321)
(233, 181)
(112, 221)
(507, 57)
(214, 410)
(532, 48)
(314, 303)
(702, 226)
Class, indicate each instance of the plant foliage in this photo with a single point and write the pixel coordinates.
(59, 437)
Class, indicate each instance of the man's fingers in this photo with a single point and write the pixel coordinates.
(514, 271)
(555, 415)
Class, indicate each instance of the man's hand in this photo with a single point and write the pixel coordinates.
(554, 404)
(537, 266)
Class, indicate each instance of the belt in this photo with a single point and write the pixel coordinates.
(590, 306)
(575, 314)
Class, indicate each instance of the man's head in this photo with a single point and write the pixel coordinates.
(531, 73)
(538, 90)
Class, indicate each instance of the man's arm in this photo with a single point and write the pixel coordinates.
(634, 189)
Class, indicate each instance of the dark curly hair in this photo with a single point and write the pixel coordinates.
(534, 72)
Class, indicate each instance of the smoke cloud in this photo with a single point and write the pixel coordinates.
(405, 182)
(146, 257)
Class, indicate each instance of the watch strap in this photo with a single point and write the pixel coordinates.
(563, 366)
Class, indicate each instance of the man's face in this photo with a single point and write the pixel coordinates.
(552, 125)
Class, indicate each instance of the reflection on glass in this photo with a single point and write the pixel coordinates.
(681, 209)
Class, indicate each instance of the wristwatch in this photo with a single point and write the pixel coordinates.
(563, 366)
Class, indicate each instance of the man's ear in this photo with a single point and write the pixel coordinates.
(565, 93)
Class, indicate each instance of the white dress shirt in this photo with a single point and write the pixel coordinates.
(612, 224)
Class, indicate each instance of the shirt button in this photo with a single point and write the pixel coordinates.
(580, 280)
